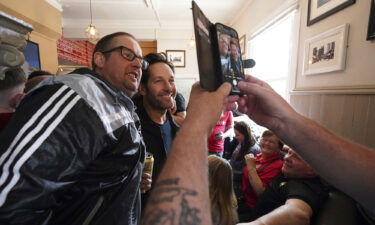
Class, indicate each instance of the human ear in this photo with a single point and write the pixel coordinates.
(16, 99)
(99, 59)
(142, 89)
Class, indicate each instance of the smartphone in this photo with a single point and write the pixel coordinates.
(218, 52)
(229, 53)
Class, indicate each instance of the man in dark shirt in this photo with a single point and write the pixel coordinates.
(235, 59)
(292, 198)
(156, 95)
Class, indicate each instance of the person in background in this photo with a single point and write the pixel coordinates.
(38, 73)
(292, 198)
(222, 197)
(178, 111)
(222, 130)
(261, 170)
(35, 78)
(247, 144)
(11, 93)
(155, 97)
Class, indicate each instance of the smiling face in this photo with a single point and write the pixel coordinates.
(123, 74)
(234, 52)
(295, 167)
(269, 146)
(224, 44)
(160, 88)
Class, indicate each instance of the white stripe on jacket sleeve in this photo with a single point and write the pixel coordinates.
(26, 155)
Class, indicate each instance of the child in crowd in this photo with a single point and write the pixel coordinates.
(222, 197)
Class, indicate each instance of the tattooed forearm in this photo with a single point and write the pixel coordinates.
(178, 211)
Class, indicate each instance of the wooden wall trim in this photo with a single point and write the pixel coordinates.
(350, 116)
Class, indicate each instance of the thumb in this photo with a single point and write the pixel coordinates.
(224, 89)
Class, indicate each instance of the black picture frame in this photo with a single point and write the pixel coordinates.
(371, 23)
(176, 57)
(327, 13)
(32, 57)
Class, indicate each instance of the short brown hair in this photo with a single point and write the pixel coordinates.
(268, 133)
(13, 77)
(105, 43)
(153, 58)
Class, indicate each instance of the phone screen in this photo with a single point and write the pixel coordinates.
(230, 55)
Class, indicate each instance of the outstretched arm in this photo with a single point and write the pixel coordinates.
(294, 212)
(353, 169)
(181, 191)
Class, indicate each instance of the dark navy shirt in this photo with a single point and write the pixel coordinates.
(166, 132)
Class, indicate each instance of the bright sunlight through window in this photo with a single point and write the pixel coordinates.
(271, 51)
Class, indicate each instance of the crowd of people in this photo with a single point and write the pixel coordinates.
(73, 149)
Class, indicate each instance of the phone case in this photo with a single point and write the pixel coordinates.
(213, 68)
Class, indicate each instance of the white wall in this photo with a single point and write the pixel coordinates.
(191, 64)
(360, 67)
(360, 60)
(186, 76)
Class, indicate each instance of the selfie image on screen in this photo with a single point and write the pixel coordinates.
(230, 54)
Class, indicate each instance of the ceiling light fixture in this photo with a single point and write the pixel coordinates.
(191, 44)
(91, 32)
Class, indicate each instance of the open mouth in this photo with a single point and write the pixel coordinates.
(133, 75)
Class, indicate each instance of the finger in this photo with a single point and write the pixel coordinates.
(252, 79)
(231, 102)
(231, 106)
(196, 86)
(232, 98)
(146, 175)
(146, 182)
(224, 89)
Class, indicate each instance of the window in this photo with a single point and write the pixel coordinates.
(271, 48)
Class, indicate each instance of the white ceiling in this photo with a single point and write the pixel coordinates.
(146, 19)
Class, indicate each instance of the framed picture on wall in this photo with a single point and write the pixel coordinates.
(176, 57)
(32, 58)
(326, 52)
(371, 22)
(320, 9)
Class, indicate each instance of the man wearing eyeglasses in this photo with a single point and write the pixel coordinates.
(73, 153)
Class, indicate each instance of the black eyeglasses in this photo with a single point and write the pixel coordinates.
(129, 55)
